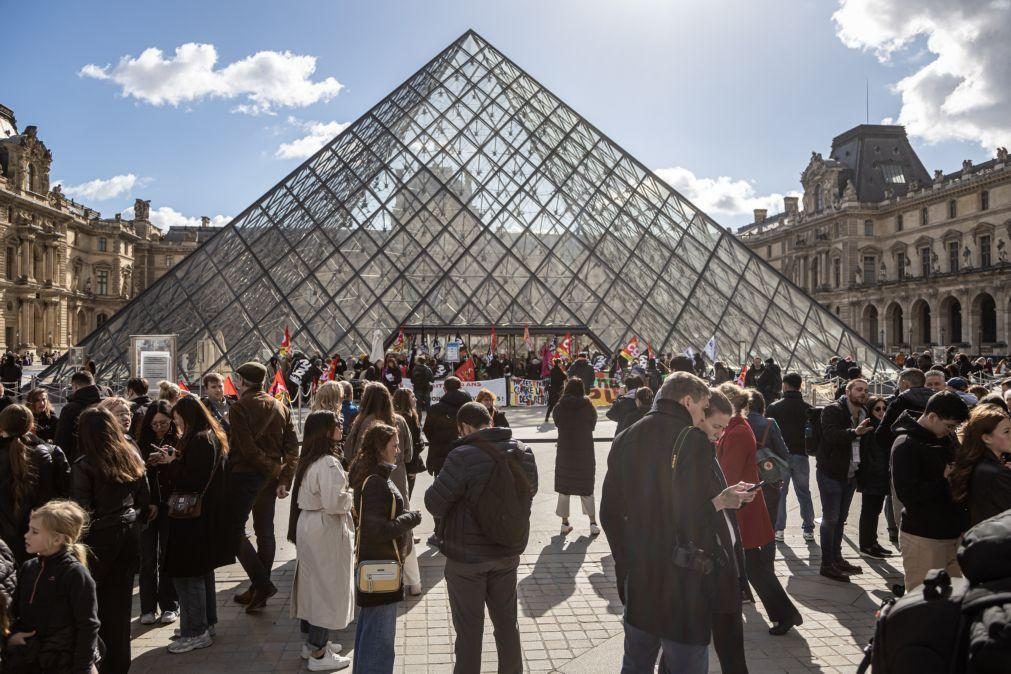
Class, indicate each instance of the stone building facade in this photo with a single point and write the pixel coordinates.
(64, 269)
(910, 260)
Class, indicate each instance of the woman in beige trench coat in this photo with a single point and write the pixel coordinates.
(322, 529)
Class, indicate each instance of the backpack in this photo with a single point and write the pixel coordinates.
(502, 510)
(812, 431)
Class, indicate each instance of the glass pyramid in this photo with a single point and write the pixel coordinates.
(471, 196)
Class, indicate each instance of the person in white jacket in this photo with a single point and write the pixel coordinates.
(323, 532)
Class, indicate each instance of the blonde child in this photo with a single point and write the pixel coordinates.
(54, 613)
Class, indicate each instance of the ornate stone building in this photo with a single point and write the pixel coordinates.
(64, 269)
(908, 259)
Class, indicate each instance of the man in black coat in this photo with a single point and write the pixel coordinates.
(843, 423)
(136, 393)
(422, 378)
(582, 369)
(556, 382)
(770, 382)
(479, 570)
(84, 394)
(790, 412)
(661, 512)
(623, 408)
(922, 458)
(440, 424)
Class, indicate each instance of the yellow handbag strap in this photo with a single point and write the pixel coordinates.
(361, 514)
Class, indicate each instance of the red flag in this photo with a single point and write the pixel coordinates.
(278, 389)
(527, 342)
(230, 388)
(183, 386)
(332, 371)
(285, 344)
(564, 349)
(741, 377)
(494, 341)
(466, 371)
(649, 349)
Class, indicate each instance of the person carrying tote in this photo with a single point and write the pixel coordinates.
(383, 540)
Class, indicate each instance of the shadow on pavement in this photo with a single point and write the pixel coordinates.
(553, 578)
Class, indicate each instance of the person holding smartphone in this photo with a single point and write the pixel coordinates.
(737, 453)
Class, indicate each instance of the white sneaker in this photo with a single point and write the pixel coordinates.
(169, 617)
(176, 633)
(779, 536)
(566, 529)
(330, 662)
(191, 643)
(809, 536)
(594, 530)
(330, 646)
(148, 619)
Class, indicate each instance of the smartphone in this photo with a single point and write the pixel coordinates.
(756, 487)
(1005, 457)
(169, 450)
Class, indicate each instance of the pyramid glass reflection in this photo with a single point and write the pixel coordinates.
(471, 196)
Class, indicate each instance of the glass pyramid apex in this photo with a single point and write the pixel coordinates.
(471, 196)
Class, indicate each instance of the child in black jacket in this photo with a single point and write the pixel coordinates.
(54, 612)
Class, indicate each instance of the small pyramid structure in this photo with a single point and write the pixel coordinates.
(472, 196)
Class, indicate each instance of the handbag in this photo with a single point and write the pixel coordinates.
(771, 467)
(377, 576)
(188, 505)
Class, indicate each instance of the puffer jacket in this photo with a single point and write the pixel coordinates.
(110, 504)
(440, 427)
(8, 574)
(457, 489)
(51, 480)
(56, 599)
(66, 428)
(262, 438)
(913, 400)
(378, 533)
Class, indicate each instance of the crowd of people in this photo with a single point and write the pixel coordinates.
(159, 487)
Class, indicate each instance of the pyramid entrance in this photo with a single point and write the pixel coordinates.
(472, 196)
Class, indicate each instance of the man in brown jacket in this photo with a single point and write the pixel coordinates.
(263, 451)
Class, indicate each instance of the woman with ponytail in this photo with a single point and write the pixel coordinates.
(31, 473)
(54, 624)
(109, 482)
(322, 529)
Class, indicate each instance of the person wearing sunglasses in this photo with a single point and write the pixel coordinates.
(873, 483)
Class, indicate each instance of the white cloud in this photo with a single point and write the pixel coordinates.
(265, 80)
(317, 135)
(722, 195)
(965, 91)
(164, 217)
(101, 189)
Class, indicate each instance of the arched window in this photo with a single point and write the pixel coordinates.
(30, 178)
(924, 216)
(819, 198)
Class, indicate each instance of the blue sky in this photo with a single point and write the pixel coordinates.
(727, 98)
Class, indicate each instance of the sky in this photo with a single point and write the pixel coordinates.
(202, 107)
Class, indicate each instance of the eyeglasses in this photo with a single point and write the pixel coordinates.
(160, 424)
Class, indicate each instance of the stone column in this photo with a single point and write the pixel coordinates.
(26, 258)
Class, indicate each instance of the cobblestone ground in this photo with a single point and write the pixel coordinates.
(569, 613)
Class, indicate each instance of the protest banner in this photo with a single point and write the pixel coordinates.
(496, 386)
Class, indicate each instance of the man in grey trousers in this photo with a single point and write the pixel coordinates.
(480, 568)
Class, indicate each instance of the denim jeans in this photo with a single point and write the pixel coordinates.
(800, 473)
(197, 603)
(246, 488)
(317, 637)
(642, 648)
(155, 594)
(374, 639)
(836, 497)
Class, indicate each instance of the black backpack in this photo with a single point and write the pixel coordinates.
(502, 509)
(812, 430)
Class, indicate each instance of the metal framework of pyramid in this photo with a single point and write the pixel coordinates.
(471, 196)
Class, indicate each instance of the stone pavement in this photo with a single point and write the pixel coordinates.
(569, 613)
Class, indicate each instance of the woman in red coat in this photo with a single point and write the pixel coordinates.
(736, 452)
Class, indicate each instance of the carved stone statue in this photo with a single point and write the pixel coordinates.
(967, 258)
(1002, 155)
(966, 166)
(883, 272)
(914, 185)
(142, 209)
(850, 192)
(1001, 252)
(935, 263)
(87, 285)
(938, 175)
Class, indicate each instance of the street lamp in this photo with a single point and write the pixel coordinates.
(882, 338)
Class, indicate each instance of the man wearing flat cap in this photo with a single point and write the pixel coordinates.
(263, 451)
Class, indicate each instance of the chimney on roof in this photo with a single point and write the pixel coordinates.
(790, 205)
(205, 221)
(760, 214)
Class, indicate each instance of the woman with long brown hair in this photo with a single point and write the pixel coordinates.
(405, 404)
(108, 480)
(197, 543)
(31, 473)
(377, 407)
(45, 419)
(322, 529)
(384, 532)
(981, 478)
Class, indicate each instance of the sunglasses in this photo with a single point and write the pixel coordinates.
(879, 408)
